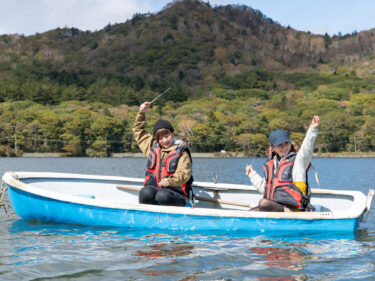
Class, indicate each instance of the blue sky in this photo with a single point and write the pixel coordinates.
(317, 16)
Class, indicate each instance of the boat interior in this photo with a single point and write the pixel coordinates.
(207, 195)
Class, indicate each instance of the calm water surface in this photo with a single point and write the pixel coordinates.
(32, 250)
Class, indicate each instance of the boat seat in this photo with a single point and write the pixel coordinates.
(91, 196)
(320, 208)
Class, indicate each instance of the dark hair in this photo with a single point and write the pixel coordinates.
(294, 148)
(161, 133)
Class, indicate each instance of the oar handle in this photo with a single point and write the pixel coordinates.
(134, 188)
(201, 198)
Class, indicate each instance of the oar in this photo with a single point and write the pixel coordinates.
(201, 198)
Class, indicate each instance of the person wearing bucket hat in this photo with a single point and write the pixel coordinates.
(169, 167)
(285, 186)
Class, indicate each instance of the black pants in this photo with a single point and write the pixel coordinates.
(160, 196)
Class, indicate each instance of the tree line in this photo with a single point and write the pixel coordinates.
(236, 115)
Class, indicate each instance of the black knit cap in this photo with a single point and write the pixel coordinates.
(163, 124)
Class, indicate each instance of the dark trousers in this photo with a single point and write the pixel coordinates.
(160, 196)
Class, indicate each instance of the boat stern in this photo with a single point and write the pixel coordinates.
(369, 198)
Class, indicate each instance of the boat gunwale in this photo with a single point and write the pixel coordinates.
(13, 179)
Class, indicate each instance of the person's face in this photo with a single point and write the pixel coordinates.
(166, 140)
(283, 149)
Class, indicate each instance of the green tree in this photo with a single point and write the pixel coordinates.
(336, 129)
(99, 148)
(75, 129)
(252, 144)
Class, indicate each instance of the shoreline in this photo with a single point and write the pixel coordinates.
(202, 155)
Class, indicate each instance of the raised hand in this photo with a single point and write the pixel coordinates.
(249, 168)
(144, 106)
(315, 122)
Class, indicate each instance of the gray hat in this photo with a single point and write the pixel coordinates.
(278, 137)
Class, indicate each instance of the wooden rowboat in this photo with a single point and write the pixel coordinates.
(113, 201)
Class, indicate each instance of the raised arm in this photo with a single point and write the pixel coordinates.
(303, 157)
(143, 139)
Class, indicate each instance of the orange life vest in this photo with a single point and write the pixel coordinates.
(158, 169)
(279, 184)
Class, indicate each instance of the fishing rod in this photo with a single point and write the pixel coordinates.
(160, 95)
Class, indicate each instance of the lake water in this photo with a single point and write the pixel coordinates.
(38, 251)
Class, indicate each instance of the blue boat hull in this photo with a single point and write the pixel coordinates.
(30, 206)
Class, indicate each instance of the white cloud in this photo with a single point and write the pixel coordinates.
(91, 14)
(28, 17)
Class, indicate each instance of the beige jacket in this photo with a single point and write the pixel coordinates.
(145, 141)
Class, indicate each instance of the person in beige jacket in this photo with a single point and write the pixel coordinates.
(169, 166)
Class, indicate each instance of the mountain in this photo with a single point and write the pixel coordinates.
(188, 43)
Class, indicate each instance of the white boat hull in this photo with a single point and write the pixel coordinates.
(96, 201)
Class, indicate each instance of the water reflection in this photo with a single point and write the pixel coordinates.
(166, 250)
(279, 278)
(364, 235)
(172, 255)
(289, 258)
(49, 228)
(281, 258)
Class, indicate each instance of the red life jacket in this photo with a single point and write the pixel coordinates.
(158, 169)
(280, 187)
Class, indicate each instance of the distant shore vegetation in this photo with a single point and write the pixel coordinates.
(235, 115)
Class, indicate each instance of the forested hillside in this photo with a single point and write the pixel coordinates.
(235, 76)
